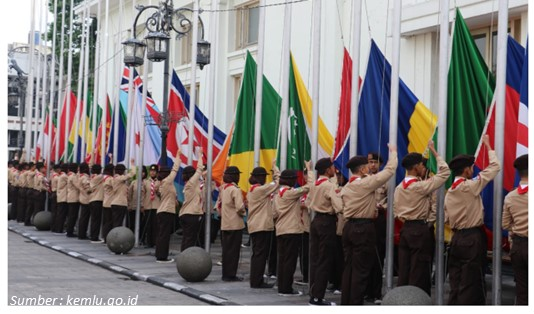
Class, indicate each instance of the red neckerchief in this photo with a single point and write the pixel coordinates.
(354, 178)
(70, 173)
(407, 183)
(107, 176)
(303, 198)
(457, 182)
(254, 186)
(282, 191)
(227, 185)
(54, 175)
(320, 181)
(521, 189)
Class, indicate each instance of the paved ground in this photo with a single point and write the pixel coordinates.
(139, 264)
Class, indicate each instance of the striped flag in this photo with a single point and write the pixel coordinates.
(522, 118)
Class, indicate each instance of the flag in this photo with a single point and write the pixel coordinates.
(179, 130)
(90, 146)
(121, 129)
(242, 145)
(59, 141)
(42, 150)
(97, 150)
(416, 123)
(514, 66)
(522, 123)
(76, 131)
(141, 118)
(341, 153)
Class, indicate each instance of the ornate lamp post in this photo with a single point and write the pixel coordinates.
(160, 24)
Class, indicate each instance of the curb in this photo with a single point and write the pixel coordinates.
(158, 281)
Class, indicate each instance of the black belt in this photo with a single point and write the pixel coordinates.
(517, 238)
(468, 230)
(324, 214)
(361, 221)
(415, 222)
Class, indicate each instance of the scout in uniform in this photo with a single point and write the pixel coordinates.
(412, 205)
(119, 202)
(232, 211)
(96, 188)
(515, 220)
(336, 273)
(84, 186)
(151, 204)
(359, 235)
(465, 213)
(30, 193)
(14, 173)
(321, 200)
(304, 244)
(289, 228)
(192, 210)
(73, 198)
(132, 203)
(107, 220)
(61, 214)
(166, 210)
(260, 221)
(54, 176)
(41, 186)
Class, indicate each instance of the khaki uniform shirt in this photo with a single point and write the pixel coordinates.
(30, 176)
(108, 191)
(73, 193)
(84, 186)
(515, 211)
(132, 195)
(54, 181)
(148, 201)
(358, 196)
(193, 194)
(62, 187)
(14, 177)
(412, 200)
(463, 203)
(40, 182)
(381, 197)
(340, 224)
(96, 187)
(287, 208)
(322, 196)
(232, 207)
(260, 205)
(120, 184)
(167, 191)
(305, 214)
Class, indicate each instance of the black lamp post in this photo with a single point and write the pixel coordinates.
(160, 25)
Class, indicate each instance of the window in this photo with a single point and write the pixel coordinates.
(187, 47)
(237, 89)
(188, 88)
(487, 45)
(247, 20)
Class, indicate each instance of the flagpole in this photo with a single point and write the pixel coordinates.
(38, 92)
(29, 90)
(500, 96)
(96, 99)
(78, 114)
(140, 154)
(193, 85)
(286, 53)
(442, 145)
(85, 81)
(355, 87)
(130, 102)
(69, 83)
(393, 122)
(48, 139)
(106, 65)
(117, 103)
(44, 148)
(316, 82)
(60, 83)
(259, 84)
(214, 31)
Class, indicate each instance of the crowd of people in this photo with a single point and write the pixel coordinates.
(335, 228)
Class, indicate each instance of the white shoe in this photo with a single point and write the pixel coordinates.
(337, 292)
(165, 261)
(294, 293)
(219, 263)
(98, 241)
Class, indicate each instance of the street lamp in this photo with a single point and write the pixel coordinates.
(160, 25)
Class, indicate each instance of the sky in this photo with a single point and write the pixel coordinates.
(16, 16)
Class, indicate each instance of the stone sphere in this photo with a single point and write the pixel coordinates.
(42, 220)
(407, 295)
(194, 264)
(120, 240)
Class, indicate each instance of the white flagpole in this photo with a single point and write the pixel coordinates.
(286, 50)
(355, 88)
(29, 91)
(500, 96)
(259, 84)
(35, 126)
(214, 31)
(106, 65)
(316, 81)
(87, 24)
(442, 145)
(117, 60)
(69, 83)
(60, 83)
(44, 148)
(48, 142)
(193, 85)
(79, 111)
(393, 122)
(96, 98)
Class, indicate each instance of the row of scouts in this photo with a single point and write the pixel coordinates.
(348, 221)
